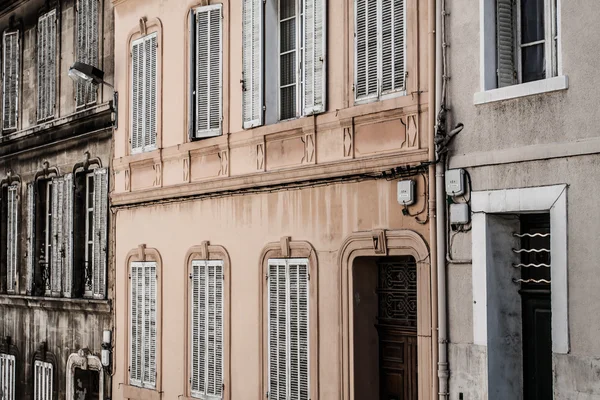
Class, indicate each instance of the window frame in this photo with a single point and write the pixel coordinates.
(4, 359)
(45, 365)
(12, 248)
(88, 258)
(6, 33)
(380, 95)
(87, 87)
(52, 85)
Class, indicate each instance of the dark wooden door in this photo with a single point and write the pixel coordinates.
(397, 329)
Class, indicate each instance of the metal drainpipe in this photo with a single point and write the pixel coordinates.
(441, 222)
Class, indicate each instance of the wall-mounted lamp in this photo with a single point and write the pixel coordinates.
(106, 345)
(89, 74)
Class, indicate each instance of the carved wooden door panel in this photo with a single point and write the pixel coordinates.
(397, 328)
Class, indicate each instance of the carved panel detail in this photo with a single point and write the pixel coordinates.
(158, 175)
(348, 143)
(410, 122)
(127, 180)
(186, 170)
(224, 157)
(309, 149)
(260, 157)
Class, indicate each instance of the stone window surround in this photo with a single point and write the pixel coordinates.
(381, 243)
(287, 248)
(542, 198)
(85, 361)
(143, 254)
(206, 251)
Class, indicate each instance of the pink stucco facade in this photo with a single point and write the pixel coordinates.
(309, 187)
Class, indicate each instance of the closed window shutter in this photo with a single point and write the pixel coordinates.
(7, 377)
(11, 68)
(58, 189)
(150, 325)
(314, 56)
(68, 235)
(144, 78)
(11, 239)
(207, 329)
(392, 65)
(252, 97)
(30, 235)
(43, 380)
(505, 35)
(208, 71)
(100, 232)
(288, 329)
(46, 50)
(366, 84)
(87, 47)
(136, 315)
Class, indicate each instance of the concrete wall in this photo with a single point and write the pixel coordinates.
(539, 130)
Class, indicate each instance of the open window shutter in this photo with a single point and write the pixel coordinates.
(58, 188)
(137, 105)
(7, 376)
(149, 375)
(505, 34)
(314, 56)
(252, 97)
(298, 328)
(278, 373)
(136, 313)
(11, 239)
(208, 71)
(150, 60)
(30, 235)
(100, 232)
(68, 235)
(46, 50)
(392, 65)
(87, 47)
(11, 68)
(366, 84)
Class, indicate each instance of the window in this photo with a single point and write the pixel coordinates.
(288, 323)
(143, 93)
(142, 323)
(207, 67)
(43, 380)
(46, 65)
(380, 48)
(10, 84)
(7, 376)
(527, 40)
(10, 194)
(207, 329)
(289, 35)
(87, 47)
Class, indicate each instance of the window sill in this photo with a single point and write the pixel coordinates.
(522, 90)
(137, 393)
(55, 303)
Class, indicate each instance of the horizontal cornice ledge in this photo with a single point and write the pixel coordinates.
(56, 303)
(299, 175)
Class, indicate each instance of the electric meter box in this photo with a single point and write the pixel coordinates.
(406, 192)
(455, 182)
(459, 214)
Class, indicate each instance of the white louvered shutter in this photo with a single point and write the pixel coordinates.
(149, 341)
(314, 56)
(207, 329)
(208, 71)
(7, 377)
(143, 115)
(393, 46)
(505, 35)
(68, 235)
(366, 52)
(43, 380)
(46, 50)
(288, 330)
(100, 232)
(11, 73)
(11, 239)
(136, 315)
(252, 96)
(87, 47)
(30, 235)
(56, 266)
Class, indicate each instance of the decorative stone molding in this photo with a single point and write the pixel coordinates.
(85, 361)
(288, 248)
(207, 251)
(46, 172)
(87, 162)
(224, 157)
(378, 243)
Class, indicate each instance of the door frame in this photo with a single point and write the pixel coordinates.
(86, 361)
(381, 243)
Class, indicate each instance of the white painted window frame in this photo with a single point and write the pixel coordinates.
(84, 361)
(7, 375)
(489, 91)
(12, 232)
(552, 199)
(89, 258)
(48, 234)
